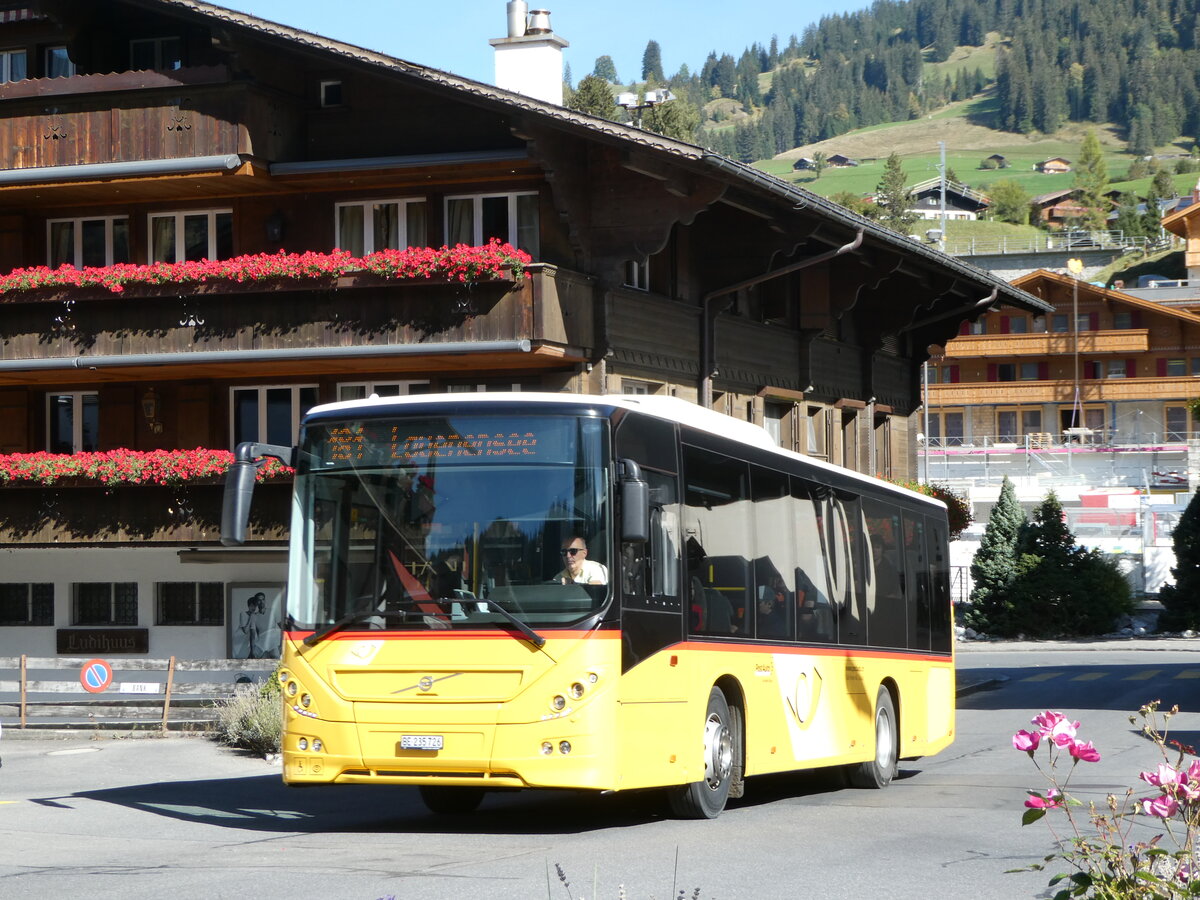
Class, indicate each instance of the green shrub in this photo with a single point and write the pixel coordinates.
(252, 718)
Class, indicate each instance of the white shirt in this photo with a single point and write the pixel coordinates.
(589, 573)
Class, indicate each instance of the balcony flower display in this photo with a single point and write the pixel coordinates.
(461, 263)
(125, 467)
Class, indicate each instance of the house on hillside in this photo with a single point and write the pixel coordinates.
(1055, 165)
(995, 161)
(1059, 209)
(962, 202)
(804, 163)
(838, 161)
(1184, 222)
(176, 132)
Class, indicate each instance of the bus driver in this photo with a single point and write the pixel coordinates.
(577, 567)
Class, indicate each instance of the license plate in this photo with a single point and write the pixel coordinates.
(421, 742)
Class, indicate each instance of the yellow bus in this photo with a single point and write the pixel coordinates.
(613, 593)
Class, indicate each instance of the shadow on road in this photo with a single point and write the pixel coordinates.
(262, 803)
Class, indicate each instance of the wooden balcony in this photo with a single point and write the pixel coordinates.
(546, 321)
(1024, 393)
(973, 346)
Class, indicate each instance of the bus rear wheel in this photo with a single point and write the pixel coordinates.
(451, 801)
(879, 772)
(705, 799)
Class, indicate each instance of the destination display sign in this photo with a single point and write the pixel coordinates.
(421, 442)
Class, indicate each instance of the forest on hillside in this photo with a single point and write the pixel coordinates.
(1134, 63)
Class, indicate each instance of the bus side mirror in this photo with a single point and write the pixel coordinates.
(239, 488)
(635, 504)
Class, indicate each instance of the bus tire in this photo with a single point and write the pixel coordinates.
(451, 801)
(879, 772)
(705, 799)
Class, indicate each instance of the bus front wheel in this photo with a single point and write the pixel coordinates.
(705, 799)
(451, 801)
(879, 772)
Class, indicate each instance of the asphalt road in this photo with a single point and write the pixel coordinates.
(185, 817)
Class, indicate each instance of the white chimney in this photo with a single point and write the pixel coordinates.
(529, 60)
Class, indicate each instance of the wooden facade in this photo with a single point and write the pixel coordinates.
(658, 267)
(1009, 376)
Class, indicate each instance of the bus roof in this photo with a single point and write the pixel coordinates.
(672, 409)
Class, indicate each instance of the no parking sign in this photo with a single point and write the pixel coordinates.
(95, 676)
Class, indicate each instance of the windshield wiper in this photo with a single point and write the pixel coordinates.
(534, 638)
(348, 619)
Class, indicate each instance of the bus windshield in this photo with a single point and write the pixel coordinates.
(427, 522)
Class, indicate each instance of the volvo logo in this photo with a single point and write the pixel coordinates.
(426, 683)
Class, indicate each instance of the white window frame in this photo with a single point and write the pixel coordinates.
(6, 58)
(48, 54)
(261, 426)
(76, 416)
(30, 590)
(160, 599)
(157, 43)
(477, 216)
(368, 235)
(77, 248)
(485, 388)
(322, 93)
(179, 215)
(403, 388)
(636, 387)
(637, 274)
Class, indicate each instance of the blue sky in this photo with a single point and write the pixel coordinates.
(453, 35)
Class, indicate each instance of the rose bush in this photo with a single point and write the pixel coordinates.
(1107, 861)
(115, 467)
(461, 263)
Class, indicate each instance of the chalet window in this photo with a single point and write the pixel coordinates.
(1176, 368)
(1196, 366)
(476, 219)
(1175, 421)
(160, 54)
(1117, 369)
(270, 415)
(1031, 421)
(635, 387)
(945, 429)
(1039, 324)
(72, 422)
(489, 387)
(1060, 323)
(1030, 371)
(381, 225)
(191, 236)
(1016, 324)
(1006, 425)
(101, 603)
(1122, 320)
(979, 327)
(190, 603)
(331, 93)
(816, 436)
(96, 242)
(637, 274)
(1006, 372)
(26, 604)
(13, 65)
(775, 417)
(364, 389)
(57, 64)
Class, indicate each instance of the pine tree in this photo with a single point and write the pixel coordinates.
(594, 96)
(652, 70)
(677, 119)
(1181, 600)
(994, 565)
(1091, 178)
(893, 197)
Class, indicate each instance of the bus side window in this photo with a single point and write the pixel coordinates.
(717, 511)
(917, 564)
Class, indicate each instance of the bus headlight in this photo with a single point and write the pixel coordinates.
(547, 748)
(306, 700)
(576, 691)
(318, 746)
(559, 703)
(292, 688)
(302, 743)
(564, 747)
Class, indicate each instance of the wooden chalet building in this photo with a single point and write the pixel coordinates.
(962, 202)
(1010, 377)
(172, 131)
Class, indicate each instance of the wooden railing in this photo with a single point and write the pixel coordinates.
(122, 693)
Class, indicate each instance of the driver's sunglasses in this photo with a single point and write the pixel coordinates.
(570, 551)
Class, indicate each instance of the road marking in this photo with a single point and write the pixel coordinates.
(1043, 676)
(1144, 676)
(1189, 673)
(1089, 676)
